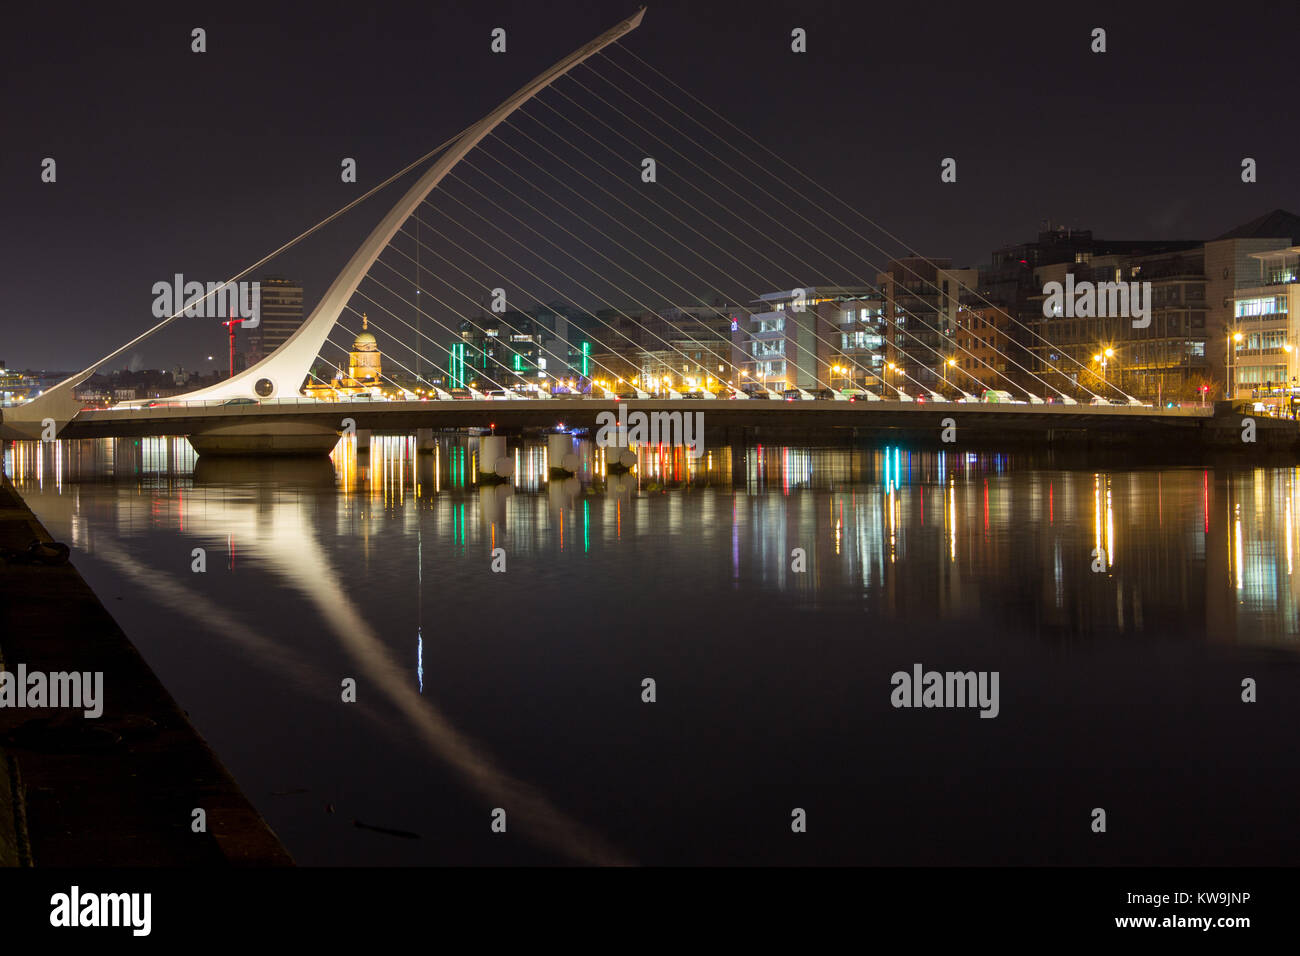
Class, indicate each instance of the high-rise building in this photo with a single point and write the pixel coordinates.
(281, 312)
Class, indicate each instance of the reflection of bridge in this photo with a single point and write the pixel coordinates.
(314, 426)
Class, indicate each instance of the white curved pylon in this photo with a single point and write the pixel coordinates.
(282, 373)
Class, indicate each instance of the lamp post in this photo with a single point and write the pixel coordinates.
(1234, 341)
(951, 363)
(1102, 358)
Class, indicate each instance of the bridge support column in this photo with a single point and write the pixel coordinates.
(492, 457)
(561, 459)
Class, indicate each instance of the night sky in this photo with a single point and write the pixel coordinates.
(171, 161)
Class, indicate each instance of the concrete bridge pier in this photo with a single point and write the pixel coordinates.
(493, 459)
(288, 438)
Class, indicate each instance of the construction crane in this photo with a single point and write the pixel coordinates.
(230, 324)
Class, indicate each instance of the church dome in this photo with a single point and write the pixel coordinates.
(365, 342)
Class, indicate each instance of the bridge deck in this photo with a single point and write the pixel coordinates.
(524, 413)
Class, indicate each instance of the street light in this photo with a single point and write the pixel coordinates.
(1102, 358)
(1232, 364)
(951, 363)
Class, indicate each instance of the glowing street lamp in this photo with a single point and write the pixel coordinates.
(1236, 340)
(1102, 358)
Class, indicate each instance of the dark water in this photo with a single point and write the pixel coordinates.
(1122, 610)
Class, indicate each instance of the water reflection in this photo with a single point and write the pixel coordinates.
(885, 526)
(342, 556)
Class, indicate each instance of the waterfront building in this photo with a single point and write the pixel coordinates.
(922, 298)
(801, 338)
(364, 373)
(1263, 341)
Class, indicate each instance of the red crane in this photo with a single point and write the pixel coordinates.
(231, 325)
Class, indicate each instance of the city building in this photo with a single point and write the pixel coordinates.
(802, 338)
(679, 348)
(985, 340)
(922, 298)
(364, 373)
(281, 314)
(17, 387)
(1263, 342)
(1180, 351)
(511, 350)
(1232, 271)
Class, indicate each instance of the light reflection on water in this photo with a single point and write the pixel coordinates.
(377, 564)
(884, 520)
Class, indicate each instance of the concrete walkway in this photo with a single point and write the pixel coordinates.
(119, 790)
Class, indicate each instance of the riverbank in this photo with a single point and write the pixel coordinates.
(121, 789)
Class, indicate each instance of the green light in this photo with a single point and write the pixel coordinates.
(456, 365)
(586, 359)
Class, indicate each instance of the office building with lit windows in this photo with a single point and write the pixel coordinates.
(1263, 339)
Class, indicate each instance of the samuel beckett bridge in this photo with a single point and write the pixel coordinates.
(603, 181)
